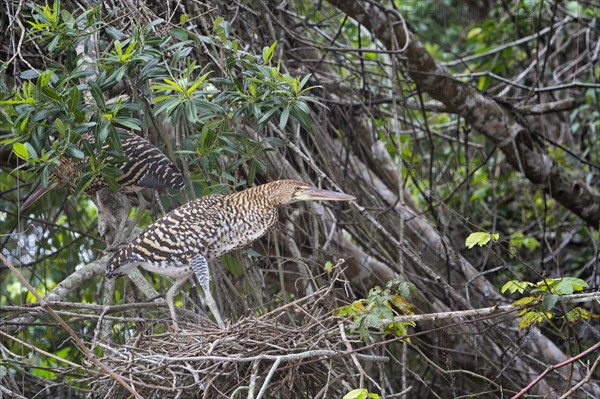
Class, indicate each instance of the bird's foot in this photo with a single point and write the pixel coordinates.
(175, 326)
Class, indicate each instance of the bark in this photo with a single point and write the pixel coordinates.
(499, 122)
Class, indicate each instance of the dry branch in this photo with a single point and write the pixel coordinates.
(501, 124)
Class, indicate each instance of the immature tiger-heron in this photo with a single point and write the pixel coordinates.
(181, 243)
(146, 167)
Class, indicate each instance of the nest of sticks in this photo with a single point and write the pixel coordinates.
(297, 350)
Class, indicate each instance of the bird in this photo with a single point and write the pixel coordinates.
(146, 167)
(180, 244)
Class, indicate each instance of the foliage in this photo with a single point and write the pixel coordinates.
(518, 240)
(549, 291)
(360, 393)
(480, 238)
(51, 109)
(379, 308)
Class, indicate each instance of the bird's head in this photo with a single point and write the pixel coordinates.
(287, 191)
(64, 175)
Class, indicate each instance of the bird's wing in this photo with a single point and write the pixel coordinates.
(147, 166)
(182, 234)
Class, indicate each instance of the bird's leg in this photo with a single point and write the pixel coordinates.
(171, 294)
(200, 268)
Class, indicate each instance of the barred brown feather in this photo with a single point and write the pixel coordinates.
(179, 244)
(146, 167)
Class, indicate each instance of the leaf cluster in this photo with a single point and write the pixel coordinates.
(543, 297)
(360, 393)
(51, 109)
(381, 305)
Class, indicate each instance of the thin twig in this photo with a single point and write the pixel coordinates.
(554, 367)
(69, 330)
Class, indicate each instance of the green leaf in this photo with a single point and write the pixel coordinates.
(45, 175)
(29, 74)
(97, 94)
(173, 85)
(74, 152)
(480, 238)
(359, 393)
(549, 300)
(568, 285)
(74, 97)
(60, 126)
(528, 300)
(21, 151)
(529, 319)
(233, 265)
(268, 52)
(191, 112)
(283, 119)
(197, 83)
(473, 32)
(128, 122)
(579, 313)
(31, 151)
(182, 20)
(516, 285)
(574, 9)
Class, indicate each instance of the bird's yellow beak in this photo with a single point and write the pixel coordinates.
(317, 194)
(39, 191)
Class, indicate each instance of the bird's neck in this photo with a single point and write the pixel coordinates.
(258, 197)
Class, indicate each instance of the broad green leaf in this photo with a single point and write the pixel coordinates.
(568, 285)
(579, 313)
(473, 32)
(74, 97)
(182, 20)
(60, 126)
(29, 74)
(74, 151)
(97, 94)
(574, 9)
(549, 301)
(529, 319)
(31, 151)
(359, 393)
(21, 151)
(479, 238)
(128, 122)
(528, 300)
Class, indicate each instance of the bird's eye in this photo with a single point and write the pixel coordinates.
(297, 188)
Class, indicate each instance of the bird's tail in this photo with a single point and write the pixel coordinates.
(122, 262)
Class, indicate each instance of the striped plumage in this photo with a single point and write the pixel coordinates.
(179, 244)
(147, 167)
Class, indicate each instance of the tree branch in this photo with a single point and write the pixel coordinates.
(500, 123)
